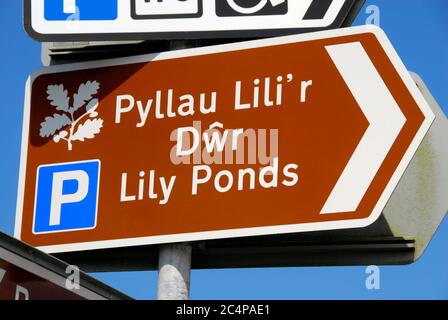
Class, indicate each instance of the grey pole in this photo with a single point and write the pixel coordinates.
(175, 259)
(174, 272)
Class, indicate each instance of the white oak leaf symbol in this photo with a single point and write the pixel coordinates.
(88, 130)
(53, 124)
(58, 97)
(85, 93)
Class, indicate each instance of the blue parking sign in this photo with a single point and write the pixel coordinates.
(66, 196)
(60, 10)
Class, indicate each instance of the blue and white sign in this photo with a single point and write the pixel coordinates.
(63, 10)
(84, 20)
(66, 196)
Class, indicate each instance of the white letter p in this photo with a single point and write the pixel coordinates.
(58, 198)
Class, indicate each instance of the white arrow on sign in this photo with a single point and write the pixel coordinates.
(385, 123)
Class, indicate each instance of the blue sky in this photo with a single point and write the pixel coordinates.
(419, 31)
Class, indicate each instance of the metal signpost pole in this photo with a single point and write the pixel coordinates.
(175, 259)
(174, 272)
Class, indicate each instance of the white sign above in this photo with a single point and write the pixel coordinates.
(72, 20)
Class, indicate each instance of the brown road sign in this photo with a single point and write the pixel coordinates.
(300, 133)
